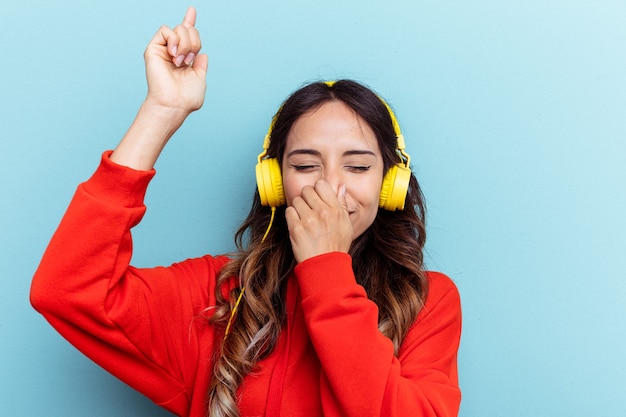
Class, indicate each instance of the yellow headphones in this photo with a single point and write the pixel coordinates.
(393, 191)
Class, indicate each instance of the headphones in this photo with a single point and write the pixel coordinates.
(395, 183)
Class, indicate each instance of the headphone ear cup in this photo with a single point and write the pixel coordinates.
(270, 183)
(395, 188)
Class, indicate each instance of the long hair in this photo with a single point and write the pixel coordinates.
(387, 258)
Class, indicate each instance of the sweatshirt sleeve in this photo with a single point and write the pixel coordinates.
(360, 374)
(122, 317)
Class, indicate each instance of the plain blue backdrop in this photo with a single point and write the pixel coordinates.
(514, 114)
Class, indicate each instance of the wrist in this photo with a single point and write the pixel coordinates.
(152, 128)
(323, 273)
(166, 116)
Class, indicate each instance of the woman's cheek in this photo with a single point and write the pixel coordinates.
(293, 183)
(292, 188)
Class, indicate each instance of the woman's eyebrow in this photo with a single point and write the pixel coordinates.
(359, 152)
(318, 153)
(304, 152)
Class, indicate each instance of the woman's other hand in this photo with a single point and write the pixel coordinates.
(319, 222)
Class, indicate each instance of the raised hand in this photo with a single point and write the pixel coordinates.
(176, 74)
(319, 222)
(175, 70)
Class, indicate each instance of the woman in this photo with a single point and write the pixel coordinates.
(325, 310)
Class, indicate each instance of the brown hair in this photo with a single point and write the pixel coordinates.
(389, 265)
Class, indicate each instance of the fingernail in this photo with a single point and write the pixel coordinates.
(189, 58)
(174, 50)
(179, 60)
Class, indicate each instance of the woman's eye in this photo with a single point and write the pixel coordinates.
(359, 168)
(303, 167)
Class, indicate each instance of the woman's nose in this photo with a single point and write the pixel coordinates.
(334, 178)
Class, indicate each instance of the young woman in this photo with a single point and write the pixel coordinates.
(325, 310)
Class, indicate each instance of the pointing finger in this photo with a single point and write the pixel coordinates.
(190, 17)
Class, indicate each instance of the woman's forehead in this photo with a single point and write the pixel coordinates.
(333, 125)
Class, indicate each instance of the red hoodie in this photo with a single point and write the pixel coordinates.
(148, 326)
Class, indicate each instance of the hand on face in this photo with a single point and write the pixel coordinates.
(332, 172)
(175, 70)
(319, 222)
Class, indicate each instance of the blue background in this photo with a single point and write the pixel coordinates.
(514, 114)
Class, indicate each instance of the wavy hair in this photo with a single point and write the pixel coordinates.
(388, 265)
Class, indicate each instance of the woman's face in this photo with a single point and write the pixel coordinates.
(333, 143)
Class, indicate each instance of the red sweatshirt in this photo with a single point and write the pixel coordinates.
(148, 326)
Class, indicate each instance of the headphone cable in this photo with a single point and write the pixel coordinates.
(239, 298)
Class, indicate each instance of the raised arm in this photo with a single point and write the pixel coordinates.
(176, 75)
(134, 322)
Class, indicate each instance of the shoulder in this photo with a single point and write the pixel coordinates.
(198, 274)
(201, 267)
(440, 284)
(443, 296)
(436, 331)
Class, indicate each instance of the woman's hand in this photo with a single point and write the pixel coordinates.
(176, 75)
(175, 70)
(319, 222)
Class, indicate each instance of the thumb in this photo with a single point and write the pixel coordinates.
(201, 63)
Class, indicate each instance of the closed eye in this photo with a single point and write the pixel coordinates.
(303, 167)
(359, 168)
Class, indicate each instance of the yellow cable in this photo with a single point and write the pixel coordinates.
(232, 313)
(236, 306)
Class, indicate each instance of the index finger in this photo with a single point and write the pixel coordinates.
(190, 17)
(326, 193)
